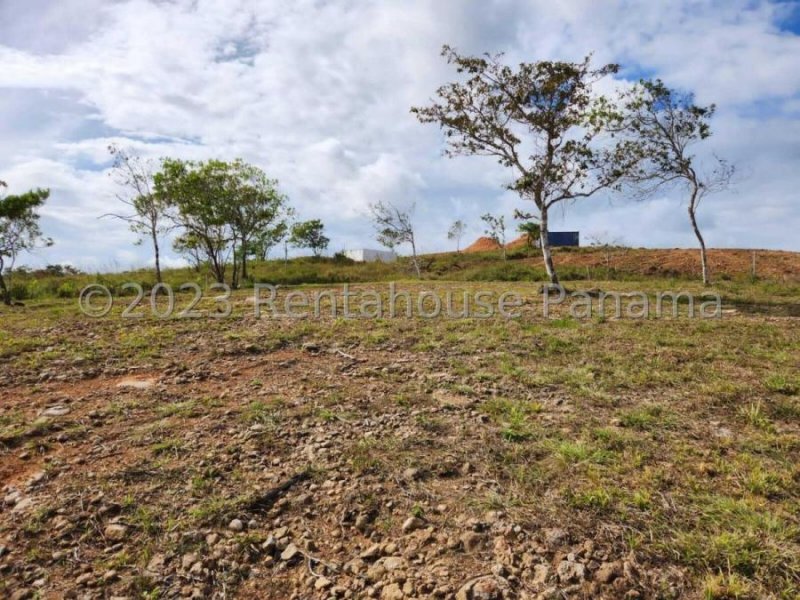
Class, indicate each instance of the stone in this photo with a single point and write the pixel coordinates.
(156, 564)
(55, 411)
(411, 474)
(236, 525)
(322, 583)
(137, 384)
(540, 574)
(555, 537)
(570, 572)
(483, 588)
(472, 541)
(392, 592)
(607, 572)
(372, 552)
(393, 563)
(413, 524)
(115, 532)
(291, 552)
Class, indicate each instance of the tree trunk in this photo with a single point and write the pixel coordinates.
(3, 289)
(244, 259)
(235, 275)
(414, 258)
(703, 254)
(157, 255)
(546, 254)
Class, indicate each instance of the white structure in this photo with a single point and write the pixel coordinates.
(365, 255)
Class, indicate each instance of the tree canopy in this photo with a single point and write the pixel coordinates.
(19, 229)
(540, 119)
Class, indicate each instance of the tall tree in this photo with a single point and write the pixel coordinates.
(258, 208)
(395, 227)
(540, 119)
(147, 217)
(667, 123)
(310, 234)
(202, 194)
(456, 232)
(19, 230)
(496, 230)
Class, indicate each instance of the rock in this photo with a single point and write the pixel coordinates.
(137, 384)
(413, 524)
(483, 588)
(156, 564)
(362, 522)
(392, 592)
(411, 474)
(236, 525)
(555, 538)
(280, 532)
(540, 575)
(188, 560)
(372, 552)
(55, 411)
(269, 545)
(21, 594)
(392, 563)
(569, 571)
(115, 532)
(607, 572)
(22, 505)
(472, 541)
(291, 552)
(322, 583)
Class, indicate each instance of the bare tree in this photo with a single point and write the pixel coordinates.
(496, 230)
(610, 247)
(134, 175)
(394, 228)
(456, 232)
(540, 119)
(666, 124)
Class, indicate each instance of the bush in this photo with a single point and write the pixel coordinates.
(68, 289)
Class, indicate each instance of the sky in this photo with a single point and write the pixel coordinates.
(317, 93)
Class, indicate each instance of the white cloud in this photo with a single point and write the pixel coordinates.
(318, 94)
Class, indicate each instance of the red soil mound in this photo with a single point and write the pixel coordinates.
(483, 244)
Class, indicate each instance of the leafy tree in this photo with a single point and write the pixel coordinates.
(256, 214)
(540, 119)
(19, 229)
(456, 232)
(147, 218)
(310, 234)
(202, 194)
(532, 231)
(267, 238)
(394, 227)
(496, 230)
(189, 246)
(667, 124)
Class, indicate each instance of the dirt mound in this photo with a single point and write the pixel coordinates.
(518, 244)
(483, 244)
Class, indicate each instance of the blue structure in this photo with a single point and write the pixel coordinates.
(564, 238)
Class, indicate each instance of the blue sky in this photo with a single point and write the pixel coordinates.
(317, 94)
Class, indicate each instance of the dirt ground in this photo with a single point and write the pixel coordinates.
(398, 458)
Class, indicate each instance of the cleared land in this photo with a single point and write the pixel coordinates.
(404, 458)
